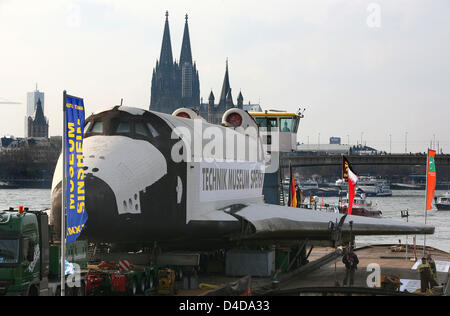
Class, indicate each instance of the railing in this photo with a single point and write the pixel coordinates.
(315, 159)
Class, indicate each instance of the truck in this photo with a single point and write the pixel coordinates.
(30, 259)
(30, 262)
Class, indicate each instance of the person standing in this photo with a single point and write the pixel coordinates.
(433, 271)
(425, 275)
(351, 261)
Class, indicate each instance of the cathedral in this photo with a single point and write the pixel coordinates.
(176, 85)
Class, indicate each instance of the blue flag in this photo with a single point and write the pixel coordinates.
(75, 186)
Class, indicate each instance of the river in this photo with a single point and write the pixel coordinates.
(413, 201)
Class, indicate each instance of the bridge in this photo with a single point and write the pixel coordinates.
(317, 160)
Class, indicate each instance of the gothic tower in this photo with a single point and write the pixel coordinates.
(175, 85)
(38, 124)
(190, 86)
(226, 89)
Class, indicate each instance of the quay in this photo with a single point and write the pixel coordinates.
(320, 276)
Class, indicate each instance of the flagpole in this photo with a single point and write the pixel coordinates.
(290, 185)
(63, 205)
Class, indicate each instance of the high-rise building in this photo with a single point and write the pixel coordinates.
(32, 99)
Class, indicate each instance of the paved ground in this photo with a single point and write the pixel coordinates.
(389, 262)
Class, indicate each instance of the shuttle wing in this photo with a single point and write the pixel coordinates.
(280, 222)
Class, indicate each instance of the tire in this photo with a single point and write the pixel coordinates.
(143, 285)
(34, 291)
(179, 275)
(151, 283)
(72, 291)
(77, 291)
(133, 287)
(82, 289)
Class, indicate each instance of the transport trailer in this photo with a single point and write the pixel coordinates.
(131, 273)
(30, 261)
(111, 278)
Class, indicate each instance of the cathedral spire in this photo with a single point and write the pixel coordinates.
(240, 100)
(225, 87)
(39, 117)
(186, 54)
(166, 57)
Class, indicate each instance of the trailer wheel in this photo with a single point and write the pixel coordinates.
(179, 274)
(151, 282)
(72, 291)
(143, 285)
(33, 291)
(133, 287)
(80, 291)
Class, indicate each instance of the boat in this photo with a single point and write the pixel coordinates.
(7, 185)
(372, 186)
(406, 186)
(361, 207)
(443, 202)
(308, 185)
(341, 184)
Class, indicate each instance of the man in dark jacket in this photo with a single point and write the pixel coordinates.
(433, 275)
(351, 261)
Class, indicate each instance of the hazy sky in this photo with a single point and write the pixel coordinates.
(360, 68)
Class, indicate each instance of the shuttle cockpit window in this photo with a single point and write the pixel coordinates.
(88, 125)
(142, 130)
(123, 128)
(97, 128)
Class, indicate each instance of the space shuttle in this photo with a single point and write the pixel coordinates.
(183, 183)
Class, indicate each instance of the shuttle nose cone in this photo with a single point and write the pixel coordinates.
(119, 171)
(101, 209)
(100, 206)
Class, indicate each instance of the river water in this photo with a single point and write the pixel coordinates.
(413, 201)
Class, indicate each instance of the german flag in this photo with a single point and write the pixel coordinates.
(292, 202)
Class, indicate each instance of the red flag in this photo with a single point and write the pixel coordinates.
(431, 177)
(352, 180)
(350, 177)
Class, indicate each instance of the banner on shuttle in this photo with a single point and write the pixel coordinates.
(75, 186)
(230, 180)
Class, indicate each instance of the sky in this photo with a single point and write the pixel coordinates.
(376, 71)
